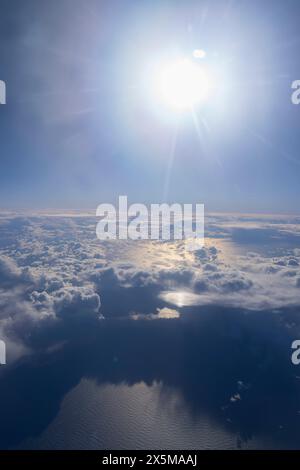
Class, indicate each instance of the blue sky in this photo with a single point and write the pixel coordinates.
(81, 126)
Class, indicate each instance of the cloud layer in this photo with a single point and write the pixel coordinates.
(54, 269)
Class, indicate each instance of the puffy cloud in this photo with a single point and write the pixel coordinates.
(11, 274)
(164, 313)
(76, 300)
(206, 254)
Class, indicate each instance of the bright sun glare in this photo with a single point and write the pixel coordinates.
(184, 84)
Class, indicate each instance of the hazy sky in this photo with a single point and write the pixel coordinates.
(83, 123)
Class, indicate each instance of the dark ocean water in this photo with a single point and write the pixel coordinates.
(123, 417)
(221, 379)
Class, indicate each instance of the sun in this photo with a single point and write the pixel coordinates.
(183, 84)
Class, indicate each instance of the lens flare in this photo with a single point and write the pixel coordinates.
(199, 54)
